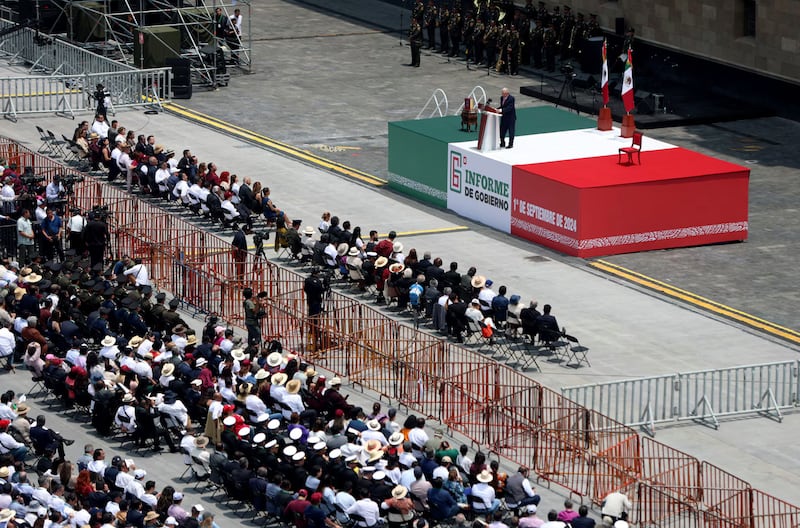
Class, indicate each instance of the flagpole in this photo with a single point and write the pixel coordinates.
(604, 120)
(628, 98)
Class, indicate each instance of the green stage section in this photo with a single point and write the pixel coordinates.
(418, 148)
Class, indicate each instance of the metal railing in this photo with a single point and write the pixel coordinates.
(436, 105)
(46, 54)
(478, 94)
(67, 94)
(703, 396)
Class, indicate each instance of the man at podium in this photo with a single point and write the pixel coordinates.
(508, 118)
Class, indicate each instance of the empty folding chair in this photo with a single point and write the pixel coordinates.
(577, 352)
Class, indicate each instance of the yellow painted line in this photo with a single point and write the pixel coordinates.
(699, 301)
(290, 150)
(435, 231)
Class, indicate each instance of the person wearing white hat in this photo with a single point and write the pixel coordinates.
(374, 432)
(125, 417)
(484, 493)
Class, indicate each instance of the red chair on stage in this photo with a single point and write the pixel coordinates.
(635, 148)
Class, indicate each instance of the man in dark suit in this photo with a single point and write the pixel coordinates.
(508, 119)
(547, 322)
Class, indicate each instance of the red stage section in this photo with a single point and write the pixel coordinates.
(594, 206)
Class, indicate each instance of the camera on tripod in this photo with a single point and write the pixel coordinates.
(30, 179)
(568, 69)
(68, 183)
(101, 212)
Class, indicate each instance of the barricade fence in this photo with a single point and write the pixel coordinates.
(53, 55)
(704, 395)
(568, 444)
(67, 94)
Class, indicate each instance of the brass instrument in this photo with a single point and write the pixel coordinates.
(498, 67)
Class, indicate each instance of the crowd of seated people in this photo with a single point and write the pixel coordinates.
(155, 170)
(448, 297)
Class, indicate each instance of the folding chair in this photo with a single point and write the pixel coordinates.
(473, 332)
(577, 352)
(57, 146)
(551, 340)
(45, 147)
(38, 385)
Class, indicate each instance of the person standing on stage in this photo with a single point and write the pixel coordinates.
(508, 119)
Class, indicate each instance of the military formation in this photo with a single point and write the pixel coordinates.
(499, 35)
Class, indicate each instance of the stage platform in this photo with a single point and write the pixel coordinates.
(567, 190)
(418, 148)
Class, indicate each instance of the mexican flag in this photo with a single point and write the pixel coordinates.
(627, 85)
(604, 81)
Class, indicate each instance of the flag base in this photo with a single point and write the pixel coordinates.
(604, 121)
(628, 126)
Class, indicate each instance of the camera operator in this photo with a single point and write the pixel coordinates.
(96, 237)
(54, 190)
(314, 289)
(76, 225)
(253, 313)
(103, 98)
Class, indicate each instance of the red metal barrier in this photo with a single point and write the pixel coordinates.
(657, 507)
(670, 469)
(724, 493)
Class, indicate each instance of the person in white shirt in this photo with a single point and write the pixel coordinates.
(139, 272)
(417, 436)
(366, 508)
(474, 311)
(485, 492)
(374, 432)
(125, 417)
(54, 189)
(100, 127)
(229, 210)
(615, 504)
(125, 164)
(161, 177)
(181, 189)
(7, 343)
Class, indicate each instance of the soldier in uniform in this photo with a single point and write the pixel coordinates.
(502, 50)
(430, 23)
(593, 29)
(543, 15)
(555, 19)
(524, 30)
(415, 39)
(537, 43)
(549, 47)
(490, 43)
(567, 35)
(469, 36)
(455, 33)
(581, 34)
(444, 27)
(419, 10)
(513, 51)
(171, 317)
(477, 36)
(154, 319)
(529, 9)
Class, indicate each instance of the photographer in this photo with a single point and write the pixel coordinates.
(96, 237)
(76, 225)
(54, 190)
(314, 289)
(103, 98)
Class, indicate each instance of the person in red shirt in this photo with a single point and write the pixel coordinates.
(294, 512)
(385, 247)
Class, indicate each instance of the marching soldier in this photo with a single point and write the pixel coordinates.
(455, 30)
(430, 23)
(444, 27)
(415, 39)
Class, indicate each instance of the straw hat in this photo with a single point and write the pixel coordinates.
(485, 476)
(128, 398)
(397, 267)
(478, 281)
(168, 369)
(399, 492)
(201, 441)
(397, 247)
(18, 293)
(33, 278)
(108, 341)
(279, 378)
(151, 516)
(261, 374)
(373, 425)
(396, 439)
(274, 359)
(373, 445)
(293, 387)
(135, 341)
(238, 354)
(381, 262)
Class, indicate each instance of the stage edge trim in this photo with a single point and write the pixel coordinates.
(697, 300)
(435, 231)
(284, 148)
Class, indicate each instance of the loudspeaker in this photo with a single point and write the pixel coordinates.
(160, 43)
(89, 24)
(181, 77)
(584, 80)
(619, 26)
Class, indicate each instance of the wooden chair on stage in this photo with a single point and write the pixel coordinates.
(635, 148)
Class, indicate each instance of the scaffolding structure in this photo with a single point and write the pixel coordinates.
(112, 28)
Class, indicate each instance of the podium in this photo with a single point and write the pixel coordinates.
(489, 131)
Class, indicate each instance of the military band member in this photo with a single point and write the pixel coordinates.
(537, 43)
(431, 15)
(415, 40)
(444, 28)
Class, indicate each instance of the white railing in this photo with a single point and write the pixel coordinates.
(703, 396)
(477, 93)
(68, 94)
(436, 106)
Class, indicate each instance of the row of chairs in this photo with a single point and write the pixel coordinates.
(63, 148)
